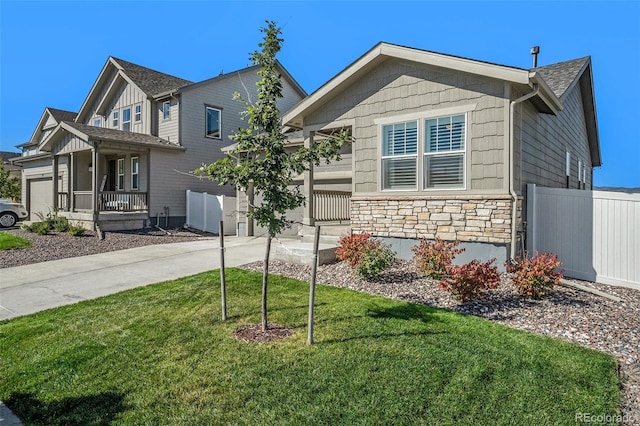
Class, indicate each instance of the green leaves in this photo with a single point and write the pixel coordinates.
(261, 156)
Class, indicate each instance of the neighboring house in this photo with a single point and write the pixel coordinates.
(444, 146)
(125, 159)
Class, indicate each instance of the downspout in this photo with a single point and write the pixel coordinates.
(512, 190)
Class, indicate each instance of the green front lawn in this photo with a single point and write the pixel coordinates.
(161, 355)
(10, 241)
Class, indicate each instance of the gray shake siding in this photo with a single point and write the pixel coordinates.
(398, 88)
(545, 140)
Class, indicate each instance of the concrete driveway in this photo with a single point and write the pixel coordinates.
(32, 288)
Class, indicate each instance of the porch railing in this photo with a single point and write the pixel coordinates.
(120, 201)
(331, 205)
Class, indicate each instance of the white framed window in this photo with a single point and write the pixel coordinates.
(213, 122)
(137, 113)
(126, 119)
(444, 152)
(120, 175)
(97, 122)
(135, 173)
(115, 122)
(166, 110)
(400, 156)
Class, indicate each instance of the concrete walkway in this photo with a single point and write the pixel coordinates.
(32, 288)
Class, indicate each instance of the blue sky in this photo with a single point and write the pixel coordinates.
(51, 52)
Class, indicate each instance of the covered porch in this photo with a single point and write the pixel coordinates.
(103, 175)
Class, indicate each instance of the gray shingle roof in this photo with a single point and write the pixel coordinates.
(560, 76)
(62, 115)
(102, 133)
(150, 81)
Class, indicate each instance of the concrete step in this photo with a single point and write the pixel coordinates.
(329, 233)
(301, 253)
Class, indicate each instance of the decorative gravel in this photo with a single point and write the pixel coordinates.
(566, 313)
(63, 245)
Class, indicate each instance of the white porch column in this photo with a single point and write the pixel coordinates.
(308, 219)
(54, 179)
(95, 189)
(72, 181)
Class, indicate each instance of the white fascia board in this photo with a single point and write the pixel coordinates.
(546, 94)
(109, 92)
(458, 64)
(40, 124)
(94, 89)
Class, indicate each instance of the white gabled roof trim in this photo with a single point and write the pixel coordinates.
(382, 51)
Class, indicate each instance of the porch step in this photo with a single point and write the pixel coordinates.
(329, 233)
(301, 253)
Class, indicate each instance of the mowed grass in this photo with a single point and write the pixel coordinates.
(10, 241)
(161, 355)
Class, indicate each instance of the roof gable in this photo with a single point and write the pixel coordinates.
(562, 75)
(384, 51)
(50, 118)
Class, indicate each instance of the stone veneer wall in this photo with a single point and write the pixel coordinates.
(485, 218)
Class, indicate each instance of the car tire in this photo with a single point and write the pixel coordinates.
(8, 219)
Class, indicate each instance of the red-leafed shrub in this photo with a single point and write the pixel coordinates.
(471, 280)
(351, 247)
(536, 276)
(433, 258)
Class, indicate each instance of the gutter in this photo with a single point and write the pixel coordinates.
(512, 191)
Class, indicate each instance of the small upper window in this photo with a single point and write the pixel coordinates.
(138, 113)
(213, 123)
(97, 122)
(116, 119)
(126, 119)
(166, 110)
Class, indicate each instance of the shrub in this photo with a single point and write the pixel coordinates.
(40, 228)
(536, 276)
(374, 259)
(350, 247)
(76, 231)
(433, 258)
(471, 280)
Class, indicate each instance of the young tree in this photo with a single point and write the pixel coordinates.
(9, 185)
(260, 157)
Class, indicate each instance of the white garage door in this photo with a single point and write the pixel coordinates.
(40, 198)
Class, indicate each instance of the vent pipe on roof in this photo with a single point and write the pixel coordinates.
(534, 52)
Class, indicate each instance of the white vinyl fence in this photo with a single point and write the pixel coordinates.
(596, 234)
(205, 211)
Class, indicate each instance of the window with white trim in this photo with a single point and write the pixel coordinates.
(97, 122)
(120, 173)
(115, 119)
(135, 173)
(400, 155)
(443, 153)
(126, 119)
(214, 123)
(166, 110)
(138, 113)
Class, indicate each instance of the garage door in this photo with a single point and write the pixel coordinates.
(40, 197)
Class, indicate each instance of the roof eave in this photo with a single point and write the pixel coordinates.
(547, 96)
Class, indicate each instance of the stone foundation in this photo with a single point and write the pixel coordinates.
(485, 219)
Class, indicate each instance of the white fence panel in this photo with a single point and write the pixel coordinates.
(205, 211)
(596, 234)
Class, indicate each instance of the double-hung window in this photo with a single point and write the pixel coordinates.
(126, 119)
(120, 172)
(444, 148)
(400, 155)
(138, 113)
(166, 110)
(214, 121)
(135, 173)
(427, 150)
(115, 119)
(97, 122)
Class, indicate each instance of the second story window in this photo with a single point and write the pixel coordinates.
(97, 122)
(116, 119)
(214, 119)
(126, 119)
(138, 113)
(166, 110)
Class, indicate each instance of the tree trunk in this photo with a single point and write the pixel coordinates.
(265, 280)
